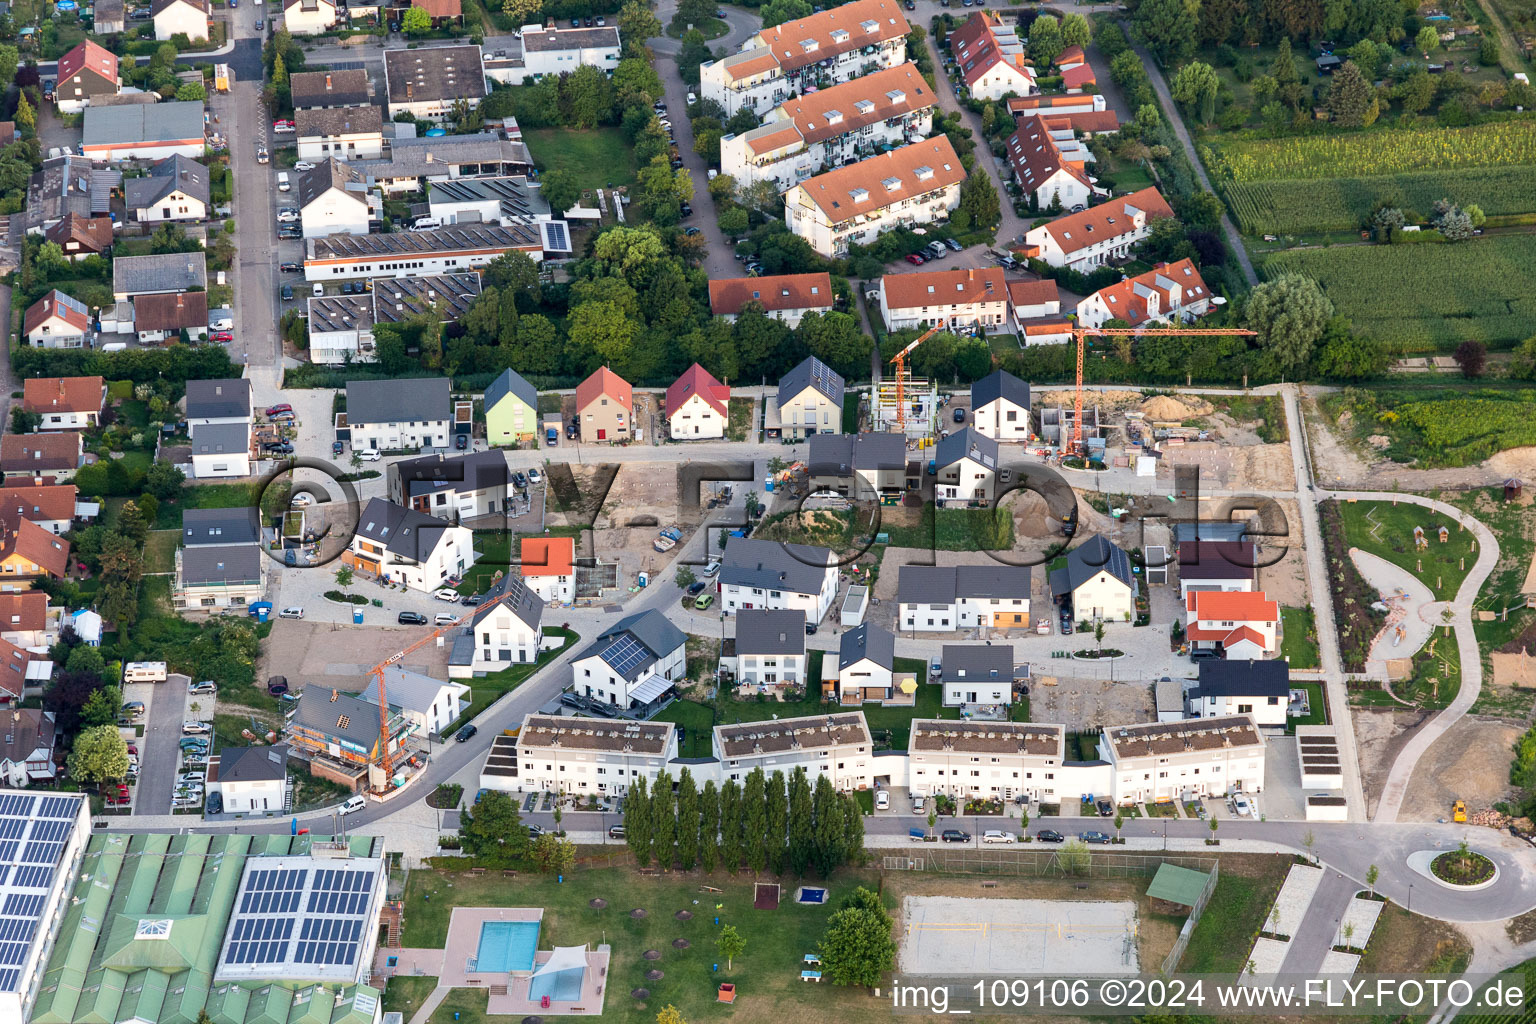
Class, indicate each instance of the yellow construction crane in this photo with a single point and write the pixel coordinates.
(1080, 337)
(899, 365)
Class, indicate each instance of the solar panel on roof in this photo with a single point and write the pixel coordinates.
(33, 877)
(624, 654)
(57, 807)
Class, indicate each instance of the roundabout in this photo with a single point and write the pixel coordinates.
(1459, 870)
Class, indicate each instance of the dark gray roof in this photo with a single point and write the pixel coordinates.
(1244, 679)
(333, 121)
(770, 631)
(412, 690)
(434, 73)
(332, 174)
(652, 629)
(329, 88)
(450, 295)
(1217, 560)
(170, 174)
(1086, 560)
(434, 156)
(943, 584)
(332, 713)
(511, 383)
(166, 272)
(842, 454)
(253, 764)
(767, 564)
(963, 443)
(405, 400)
(239, 563)
(555, 39)
(812, 373)
(154, 122)
(219, 526)
(331, 313)
(516, 198)
(402, 531)
(413, 245)
(876, 643)
(218, 399)
(926, 584)
(525, 604)
(432, 473)
(971, 662)
(999, 384)
(1216, 530)
(220, 438)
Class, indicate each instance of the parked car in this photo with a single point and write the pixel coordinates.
(534, 476)
(353, 803)
(1102, 838)
(1066, 623)
(471, 600)
(616, 832)
(303, 165)
(466, 733)
(1049, 835)
(703, 601)
(882, 800)
(520, 480)
(993, 835)
(1105, 809)
(959, 415)
(918, 802)
(205, 686)
(287, 293)
(280, 448)
(411, 619)
(370, 455)
(461, 442)
(291, 268)
(282, 127)
(1204, 654)
(445, 594)
(444, 619)
(713, 568)
(273, 410)
(192, 728)
(914, 259)
(1242, 807)
(696, 588)
(289, 231)
(955, 835)
(287, 215)
(337, 447)
(221, 337)
(534, 831)
(293, 611)
(953, 245)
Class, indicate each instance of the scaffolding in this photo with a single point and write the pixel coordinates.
(916, 414)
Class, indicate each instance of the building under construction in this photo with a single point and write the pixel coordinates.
(922, 407)
(1056, 422)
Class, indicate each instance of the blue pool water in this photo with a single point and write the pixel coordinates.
(507, 946)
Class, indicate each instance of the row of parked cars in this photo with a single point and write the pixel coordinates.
(934, 251)
(1045, 835)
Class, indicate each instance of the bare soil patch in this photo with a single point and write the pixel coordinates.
(1379, 736)
(340, 656)
(1470, 762)
(1081, 704)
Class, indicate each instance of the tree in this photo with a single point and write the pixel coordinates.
(687, 821)
(25, 115)
(694, 12)
(1045, 43)
(777, 12)
(1352, 101)
(589, 95)
(10, 59)
(1288, 313)
(417, 22)
(664, 821)
(830, 829)
(86, 660)
(344, 577)
(1074, 857)
(754, 812)
(1472, 357)
(638, 833)
(279, 71)
(979, 202)
(1371, 874)
(493, 828)
(709, 827)
(121, 568)
(731, 944)
(857, 948)
(1427, 41)
(1453, 223)
(99, 755)
(637, 23)
(685, 578)
(103, 707)
(1344, 355)
(164, 480)
(1415, 92)
(837, 340)
(1169, 28)
(801, 823)
(131, 522)
(1119, 823)
(602, 329)
(1076, 30)
(670, 1015)
(553, 855)
(1196, 86)
(192, 91)
(776, 801)
(522, 12)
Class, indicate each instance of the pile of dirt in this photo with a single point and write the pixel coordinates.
(1166, 408)
(1495, 819)
(1107, 401)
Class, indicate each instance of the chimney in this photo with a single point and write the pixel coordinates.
(408, 91)
(970, 275)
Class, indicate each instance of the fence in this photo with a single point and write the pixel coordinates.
(1171, 961)
(1057, 863)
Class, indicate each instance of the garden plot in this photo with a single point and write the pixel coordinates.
(946, 935)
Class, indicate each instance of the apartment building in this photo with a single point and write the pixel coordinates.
(811, 132)
(962, 300)
(1051, 165)
(766, 574)
(786, 297)
(428, 81)
(814, 52)
(1089, 239)
(583, 755)
(552, 50)
(1168, 293)
(947, 598)
(347, 133)
(991, 58)
(835, 745)
(987, 760)
(916, 184)
(1165, 760)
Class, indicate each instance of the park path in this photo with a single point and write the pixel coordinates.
(431, 1003)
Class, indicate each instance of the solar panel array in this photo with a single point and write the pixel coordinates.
(34, 832)
(555, 233)
(333, 901)
(625, 654)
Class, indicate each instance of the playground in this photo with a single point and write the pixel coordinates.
(946, 935)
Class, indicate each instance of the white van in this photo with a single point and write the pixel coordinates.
(144, 672)
(283, 184)
(317, 290)
(353, 803)
(115, 346)
(426, 223)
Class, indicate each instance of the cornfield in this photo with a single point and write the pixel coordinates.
(1296, 206)
(1465, 431)
(1500, 144)
(1417, 298)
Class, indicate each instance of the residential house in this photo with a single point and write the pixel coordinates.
(409, 547)
(988, 760)
(511, 409)
(441, 12)
(146, 131)
(697, 406)
(1077, 75)
(26, 621)
(22, 673)
(551, 50)
(417, 254)
(1241, 625)
(604, 405)
(65, 403)
(810, 132)
(320, 90)
(51, 506)
(220, 563)
(766, 574)
(220, 450)
(428, 81)
(949, 598)
(169, 318)
(69, 185)
(810, 401)
(1261, 689)
(1217, 565)
(308, 17)
(1000, 407)
(388, 415)
(786, 297)
(1097, 582)
(1037, 316)
(633, 663)
(220, 400)
(1168, 293)
(1051, 164)
(27, 752)
(250, 780)
(977, 675)
(1087, 113)
(29, 553)
(344, 729)
(333, 199)
(451, 487)
(56, 321)
(81, 236)
(168, 273)
(176, 189)
(219, 527)
(346, 133)
(506, 628)
(1163, 761)
(551, 754)
(991, 58)
(85, 72)
(866, 664)
(447, 158)
(817, 51)
(836, 745)
(505, 201)
(968, 299)
(180, 18)
(429, 705)
(854, 204)
(108, 15)
(45, 458)
(770, 647)
(967, 464)
(865, 467)
(1087, 240)
(548, 565)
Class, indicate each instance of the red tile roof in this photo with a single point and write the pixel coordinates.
(64, 394)
(1071, 55)
(548, 556)
(170, 312)
(810, 113)
(849, 191)
(976, 51)
(1076, 78)
(1127, 300)
(1036, 157)
(697, 380)
(70, 311)
(439, 8)
(786, 291)
(944, 288)
(39, 502)
(25, 610)
(1232, 606)
(604, 382)
(1033, 293)
(24, 538)
(40, 453)
(883, 18)
(1046, 325)
(13, 669)
(92, 234)
(1107, 220)
(88, 55)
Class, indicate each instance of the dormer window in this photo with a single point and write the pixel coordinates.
(864, 106)
(834, 117)
(869, 26)
(897, 96)
(809, 45)
(892, 184)
(858, 195)
(839, 35)
(924, 173)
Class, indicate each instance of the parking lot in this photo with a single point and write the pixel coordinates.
(165, 710)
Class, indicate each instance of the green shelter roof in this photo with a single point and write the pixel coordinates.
(1177, 885)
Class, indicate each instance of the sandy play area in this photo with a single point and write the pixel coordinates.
(953, 935)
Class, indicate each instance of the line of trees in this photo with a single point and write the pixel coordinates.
(768, 823)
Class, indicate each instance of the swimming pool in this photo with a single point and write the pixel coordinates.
(507, 946)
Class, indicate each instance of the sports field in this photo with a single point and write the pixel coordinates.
(947, 935)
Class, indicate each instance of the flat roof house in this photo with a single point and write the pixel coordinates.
(988, 760)
(429, 80)
(144, 131)
(584, 755)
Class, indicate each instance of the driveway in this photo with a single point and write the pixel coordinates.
(166, 709)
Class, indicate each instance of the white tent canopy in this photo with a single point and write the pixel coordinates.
(564, 958)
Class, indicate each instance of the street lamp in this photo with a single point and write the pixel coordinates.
(1410, 897)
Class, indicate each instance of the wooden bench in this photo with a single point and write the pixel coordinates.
(477, 871)
(508, 873)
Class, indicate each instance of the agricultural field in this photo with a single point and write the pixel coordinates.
(1456, 430)
(1386, 151)
(1417, 298)
(1298, 206)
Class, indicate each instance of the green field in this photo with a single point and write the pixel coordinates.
(1297, 206)
(1386, 530)
(1384, 151)
(1225, 932)
(1416, 298)
(596, 158)
(1297, 645)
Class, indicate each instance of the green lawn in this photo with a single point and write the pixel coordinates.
(741, 423)
(1317, 709)
(1300, 641)
(493, 554)
(955, 529)
(1385, 529)
(204, 496)
(695, 722)
(133, 413)
(486, 691)
(850, 414)
(160, 551)
(1515, 526)
(1225, 932)
(712, 28)
(596, 158)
